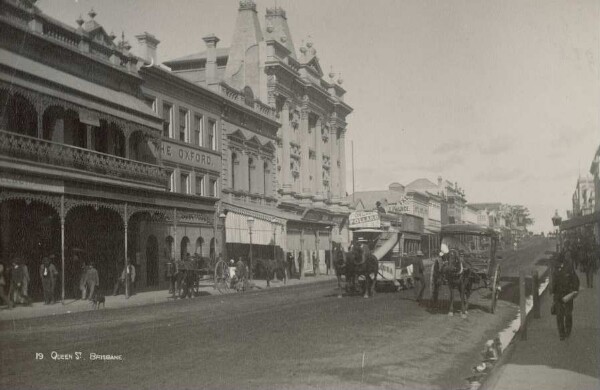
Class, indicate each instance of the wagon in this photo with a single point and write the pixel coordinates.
(476, 246)
(393, 269)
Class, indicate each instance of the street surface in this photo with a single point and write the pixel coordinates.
(295, 337)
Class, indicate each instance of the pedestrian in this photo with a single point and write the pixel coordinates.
(315, 262)
(565, 285)
(16, 282)
(91, 280)
(170, 274)
(48, 274)
(241, 273)
(3, 295)
(328, 262)
(25, 285)
(290, 264)
(419, 277)
(126, 280)
(300, 265)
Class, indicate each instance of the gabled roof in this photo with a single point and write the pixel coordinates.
(422, 183)
(314, 64)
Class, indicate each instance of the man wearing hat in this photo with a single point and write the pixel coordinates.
(419, 276)
(48, 274)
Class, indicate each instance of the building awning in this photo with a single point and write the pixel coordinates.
(87, 94)
(582, 220)
(411, 236)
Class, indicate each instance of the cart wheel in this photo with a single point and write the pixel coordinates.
(495, 289)
(434, 285)
(222, 276)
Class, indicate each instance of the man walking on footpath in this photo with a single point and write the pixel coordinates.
(48, 275)
(565, 286)
(315, 261)
(126, 280)
(91, 281)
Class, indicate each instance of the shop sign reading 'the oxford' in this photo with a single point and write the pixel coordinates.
(189, 156)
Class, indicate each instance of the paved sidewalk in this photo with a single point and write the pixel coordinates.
(38, 309)
(544, 362)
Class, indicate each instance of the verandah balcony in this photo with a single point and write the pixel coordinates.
(18, 146)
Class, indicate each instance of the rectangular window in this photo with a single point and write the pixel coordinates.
(183, 127)
(213, 188)
(212, 134)
(199, 130)
(184, 186)
(150, 102)
(167, 120)
(171, 181)
(200, 185)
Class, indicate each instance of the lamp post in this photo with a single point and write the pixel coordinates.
(274, 225)
(250, 224)
(556, 220)
(222, 217)
(330, 228)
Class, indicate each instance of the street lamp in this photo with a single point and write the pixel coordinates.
(556, 220)
(222, 217)
(274, 225)
(250, 224)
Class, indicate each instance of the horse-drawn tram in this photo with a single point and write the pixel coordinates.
(393, 267)
(467, 263)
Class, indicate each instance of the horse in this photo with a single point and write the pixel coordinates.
(355, 263)
(458, 277)
(270, 268)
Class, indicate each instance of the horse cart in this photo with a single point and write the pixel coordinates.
(468, 263)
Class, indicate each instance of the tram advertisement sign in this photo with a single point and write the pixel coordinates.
(387, 270)
(364, 219)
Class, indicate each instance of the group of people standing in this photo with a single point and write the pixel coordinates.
(18, 279)
(580, 252)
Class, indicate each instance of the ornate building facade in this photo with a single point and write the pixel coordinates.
(262, 68)
(81, 171)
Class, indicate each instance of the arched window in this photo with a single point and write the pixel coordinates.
(250, 168)
(169, 247)
(248, 96)
(266, 174)
(17, 114)
(185, 242)
(199, 243)
(212, 249)
(234, 163)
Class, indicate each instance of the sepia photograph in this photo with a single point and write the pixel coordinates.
(300, 194)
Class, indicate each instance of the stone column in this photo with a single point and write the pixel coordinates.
(334, 171)
(305, 157)
(285, 179)
(320, 196)
(342, 158)
(259, 175)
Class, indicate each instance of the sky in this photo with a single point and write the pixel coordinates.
(502, 97)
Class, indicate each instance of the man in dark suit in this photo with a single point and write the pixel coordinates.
(419, 276)
(565, 285)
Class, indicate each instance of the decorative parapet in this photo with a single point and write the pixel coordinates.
(89, 37)
(238, 97)
(66, 156)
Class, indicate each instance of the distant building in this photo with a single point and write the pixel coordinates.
(584, 196)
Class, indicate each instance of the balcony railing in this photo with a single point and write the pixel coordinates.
(42, 151)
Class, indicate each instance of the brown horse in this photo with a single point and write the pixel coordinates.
(458, 277)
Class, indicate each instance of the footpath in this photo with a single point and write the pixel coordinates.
(543, 361)
(38, 309)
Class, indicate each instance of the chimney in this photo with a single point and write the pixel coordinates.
(212, 81)
(440, 186)
(148, 44)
